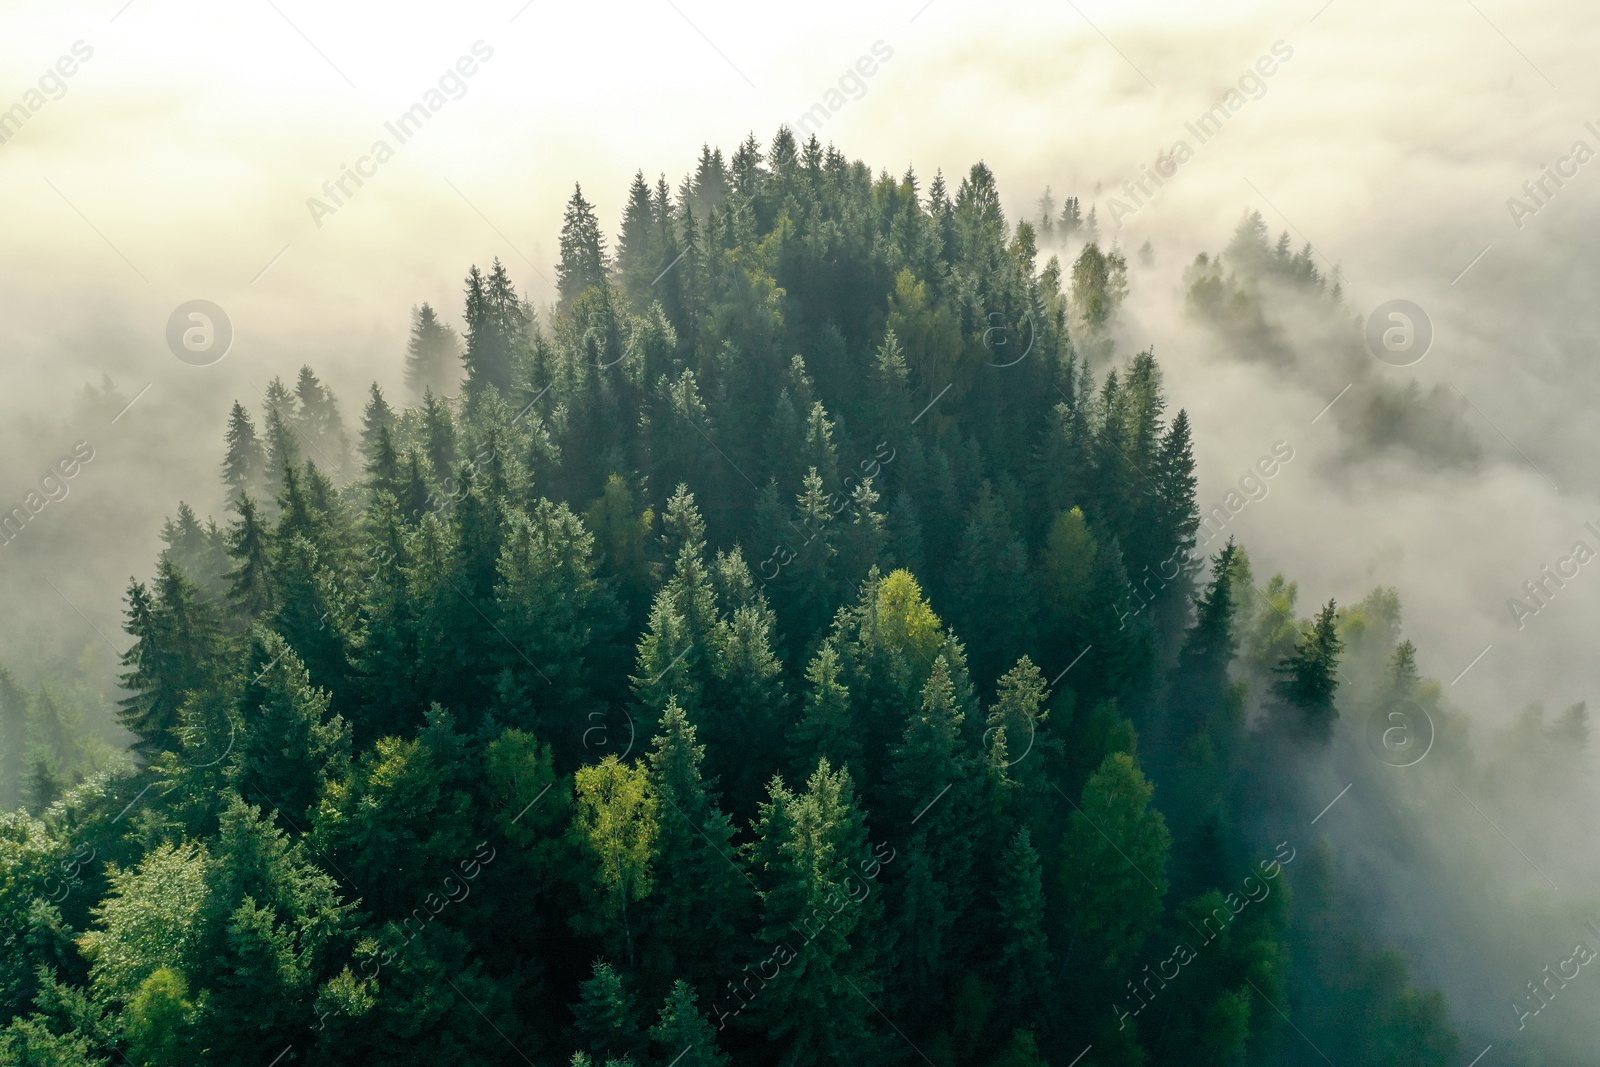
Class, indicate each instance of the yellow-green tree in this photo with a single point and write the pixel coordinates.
(617, 827)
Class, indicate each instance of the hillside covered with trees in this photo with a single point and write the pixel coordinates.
(794, 647)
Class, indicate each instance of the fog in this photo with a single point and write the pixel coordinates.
(177, 162)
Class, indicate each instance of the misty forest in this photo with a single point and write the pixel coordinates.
(801, 644)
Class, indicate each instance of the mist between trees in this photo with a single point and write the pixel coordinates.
(405, 633)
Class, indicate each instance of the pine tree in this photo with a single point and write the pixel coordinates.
(283, 449)
(383, 466)
(622, 534)
(291, 745)
(683, 1035)
(376, 417)
(414, 497)
(13, 739)
(439, 434)
(826, 729)
(637, 244)
(809, 855)
(319, 422)
(607, 1018)
(551, 610)
(1309, 676)
(497, 330)
(200, 551)
(992, 568)
(246, 463)
(433, 354)
(177, 650)
(702, 896)
(1022, 966)
(1200, 689)
(1071, 216)
(1114, 876)
(583, 253)
(250, 583)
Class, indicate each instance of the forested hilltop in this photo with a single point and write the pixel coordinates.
(793, 647)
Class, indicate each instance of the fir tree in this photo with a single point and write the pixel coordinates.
(607, 1018)
(583, 254)
(809, 853)
(375, 418)
(433, 354)
(1309, 676)
(291, 745)
(250, 583)
(246, 462)
(683, 1035)
(177, 650)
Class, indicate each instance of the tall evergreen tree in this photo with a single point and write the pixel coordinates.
(433, 354)
(375, 418)
(607, 1016)
(291, 745)
(583, 252)
(809, 852)
(1309, 677)
(13, 739)
(497, 330)
(683, 1035)
(250, 583)
(246, 462)
(703, 897)
(177, 650)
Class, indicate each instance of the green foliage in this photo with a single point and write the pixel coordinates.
(148, 920)
(158, 1019)
(807, 482)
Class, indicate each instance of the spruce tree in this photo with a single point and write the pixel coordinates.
(439, 436)
(497, 330)
(826, 728)
(1023, 964)
(606, 1015)
(283, 449)
(246, 462)
(583, 254)
(818, 922)
(383, 465)
(250, 583)
(637, 244)
(702, 896)
(683, 1035)
(319, 422)
(1309, 676)
(433, 356)
(1200, 687)
(178, 650)
(291, 745)
(375, 417)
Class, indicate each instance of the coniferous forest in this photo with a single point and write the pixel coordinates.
(798, 645)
